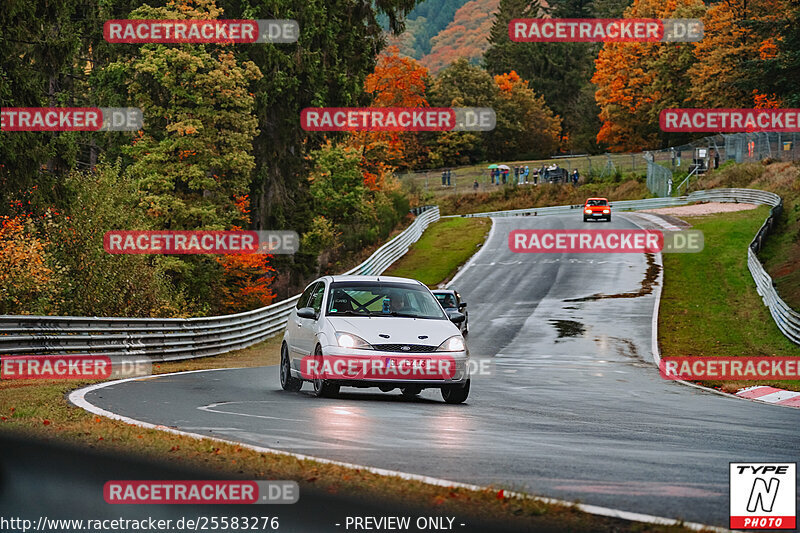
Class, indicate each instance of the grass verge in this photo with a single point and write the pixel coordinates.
(709, 303)
(781, 254)
(445, 246)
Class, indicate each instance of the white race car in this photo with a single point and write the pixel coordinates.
(374, 331)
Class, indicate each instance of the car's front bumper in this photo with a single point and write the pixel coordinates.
(458, 375)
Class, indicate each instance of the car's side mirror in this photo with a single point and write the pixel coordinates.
(462, 305)
(609, 205)
(307, 312)
(455, 317)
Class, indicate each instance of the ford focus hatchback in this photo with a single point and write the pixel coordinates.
(373, 331)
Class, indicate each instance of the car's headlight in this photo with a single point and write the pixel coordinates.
(606, 211)
(348, 340)
(453, 344)
(587, 211)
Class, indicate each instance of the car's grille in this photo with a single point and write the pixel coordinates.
(410, 348)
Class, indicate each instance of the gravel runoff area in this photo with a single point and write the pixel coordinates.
(708, 208)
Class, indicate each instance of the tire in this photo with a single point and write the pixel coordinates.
(411, 392)
(323, 389)
(585, 219)
(288, 382)
(608, 219)
(455, 393)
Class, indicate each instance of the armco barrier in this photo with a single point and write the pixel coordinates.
(787, 319)
(171, 339)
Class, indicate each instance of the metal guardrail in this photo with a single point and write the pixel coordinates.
(786, 318)
(171, 339)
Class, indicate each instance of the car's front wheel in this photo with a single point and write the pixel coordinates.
(287, 381)
(323, 389)
(455, 393)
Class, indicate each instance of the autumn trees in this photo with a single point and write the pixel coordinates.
(526, 127)
(221, 147)
(747, 57)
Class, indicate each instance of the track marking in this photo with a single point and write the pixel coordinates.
(78, 398)
(209, 409)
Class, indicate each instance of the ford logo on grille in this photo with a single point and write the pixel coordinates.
(405, 348)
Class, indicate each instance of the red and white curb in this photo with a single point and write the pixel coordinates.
(657, 221)
(762, 393)
(759, 393)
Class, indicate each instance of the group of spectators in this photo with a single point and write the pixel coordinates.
(522, 173)
(501, 175)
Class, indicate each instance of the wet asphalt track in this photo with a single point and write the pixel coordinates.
(574, 410)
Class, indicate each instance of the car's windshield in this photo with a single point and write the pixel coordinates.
(447, 300)
(385, 299)
(596, 202)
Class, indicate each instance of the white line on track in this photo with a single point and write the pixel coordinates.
(210, 409)
(78, 398)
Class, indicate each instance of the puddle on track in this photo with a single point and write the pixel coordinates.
(649, 281)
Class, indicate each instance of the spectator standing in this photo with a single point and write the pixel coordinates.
(444, 178)
(575, 177)
(448, 177)
(516, 174)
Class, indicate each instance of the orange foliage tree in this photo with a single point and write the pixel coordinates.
(466, 36)
(24, 273)
(247, 278)
(525, 127)
(396, 82)
(636, 80)
(729, 41)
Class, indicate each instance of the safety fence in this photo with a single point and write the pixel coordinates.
(709, 152)
(171, 339)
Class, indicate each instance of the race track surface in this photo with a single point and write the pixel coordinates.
(575, 408)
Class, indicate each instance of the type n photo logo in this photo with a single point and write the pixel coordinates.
(763, 495)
